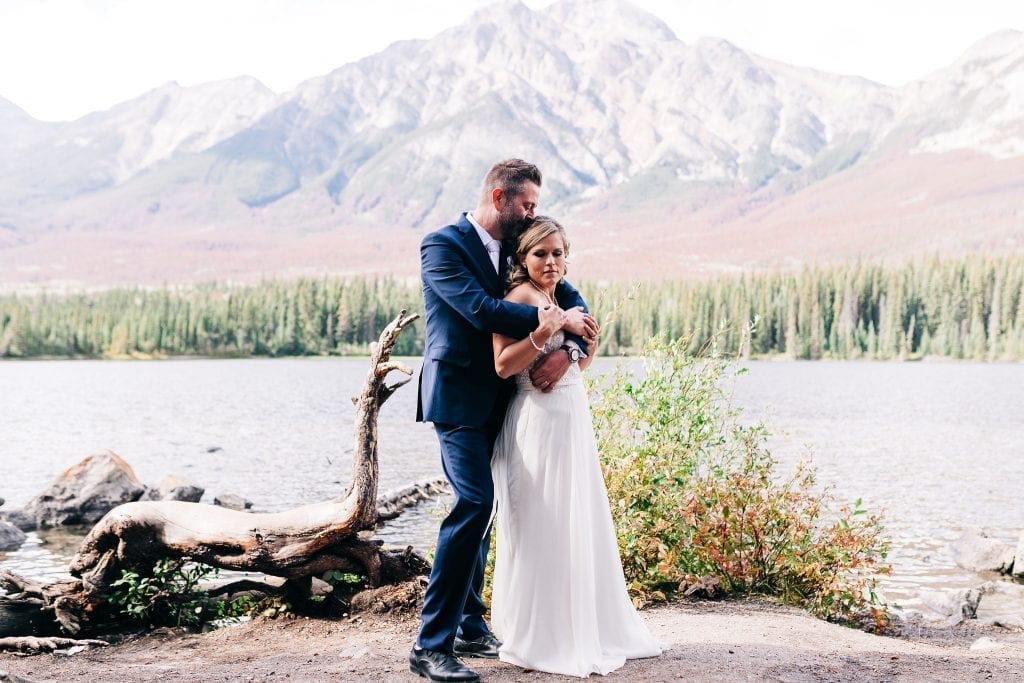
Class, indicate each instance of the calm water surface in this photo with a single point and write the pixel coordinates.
(939, 447)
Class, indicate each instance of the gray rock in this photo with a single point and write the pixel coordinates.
(975, 551)
(11, 537)
(958, 604)
(1018, 558)
(20, 519)
(1010, 622)
(2, 501)
(233, 502)
(86, 491)
(173, 487)
(1003, 601)
(985, 644)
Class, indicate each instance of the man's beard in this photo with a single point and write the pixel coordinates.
(511, 226)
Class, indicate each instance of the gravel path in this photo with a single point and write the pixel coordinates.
(708, 641)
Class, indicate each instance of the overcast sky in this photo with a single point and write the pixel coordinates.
(60, 59)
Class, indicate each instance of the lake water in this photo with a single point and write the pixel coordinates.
(938, 447)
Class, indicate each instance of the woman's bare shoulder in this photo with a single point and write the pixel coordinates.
(522, 293)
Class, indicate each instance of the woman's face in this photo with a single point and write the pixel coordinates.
(545, 262)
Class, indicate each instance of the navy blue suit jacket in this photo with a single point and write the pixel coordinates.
(462, 301)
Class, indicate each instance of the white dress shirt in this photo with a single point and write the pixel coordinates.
(492, 245)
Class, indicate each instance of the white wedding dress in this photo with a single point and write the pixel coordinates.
(559, 598)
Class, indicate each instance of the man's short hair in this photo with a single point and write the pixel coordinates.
(510, 175)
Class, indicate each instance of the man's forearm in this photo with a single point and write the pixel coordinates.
(569, 297)
(446, 275)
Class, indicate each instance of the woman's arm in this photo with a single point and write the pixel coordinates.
(512, 356)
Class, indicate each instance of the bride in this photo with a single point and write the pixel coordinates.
(559, 597)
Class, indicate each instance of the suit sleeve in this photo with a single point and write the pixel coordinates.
(569, 297)
(445, 271)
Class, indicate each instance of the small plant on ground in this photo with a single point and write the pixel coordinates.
(344, 584)
(699, 506)
(170, 596)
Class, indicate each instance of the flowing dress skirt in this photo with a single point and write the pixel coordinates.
(559, 596)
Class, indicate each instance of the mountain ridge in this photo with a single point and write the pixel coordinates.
(630, 125)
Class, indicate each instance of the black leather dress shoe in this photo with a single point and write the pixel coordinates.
(485, 646)
(439, 666)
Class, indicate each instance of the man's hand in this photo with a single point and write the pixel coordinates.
(550, 318)
(546, 373)
(579, 323)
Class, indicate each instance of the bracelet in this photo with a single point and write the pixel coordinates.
(539, 348)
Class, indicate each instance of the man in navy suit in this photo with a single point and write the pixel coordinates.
(463, 268)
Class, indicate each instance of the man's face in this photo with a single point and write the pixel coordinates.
(515, 213)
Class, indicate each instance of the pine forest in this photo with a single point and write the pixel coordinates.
(968, 308)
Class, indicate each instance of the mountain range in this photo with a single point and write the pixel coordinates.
(663, 159)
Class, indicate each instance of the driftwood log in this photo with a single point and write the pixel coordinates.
(297, 544)
(391, 504)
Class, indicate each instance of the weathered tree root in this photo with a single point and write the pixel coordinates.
(295, 544)
(33, 645)
(393, 503)
(401, 597)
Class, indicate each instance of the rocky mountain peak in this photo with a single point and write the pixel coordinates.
(10, 111)
(609, 19)
(994, 46)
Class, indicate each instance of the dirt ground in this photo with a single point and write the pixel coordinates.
(707, 641)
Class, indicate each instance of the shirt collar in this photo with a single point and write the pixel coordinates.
(483, 234)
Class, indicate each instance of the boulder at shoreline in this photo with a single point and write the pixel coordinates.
(956, 604)
(174, 487)
(11, 537)
(232, 502)
(20, 519)
(85, 492)
(1018, 559)
(975, 551)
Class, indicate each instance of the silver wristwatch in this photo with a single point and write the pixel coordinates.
(574, 353)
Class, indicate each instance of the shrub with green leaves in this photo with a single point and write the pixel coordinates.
(699, 506)
(170, 595)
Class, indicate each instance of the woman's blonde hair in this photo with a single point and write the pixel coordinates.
(539, 230)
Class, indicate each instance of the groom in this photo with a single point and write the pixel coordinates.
(463, 268)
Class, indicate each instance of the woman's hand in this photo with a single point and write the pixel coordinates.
(551, 319)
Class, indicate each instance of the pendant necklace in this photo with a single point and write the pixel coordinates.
(542, 292)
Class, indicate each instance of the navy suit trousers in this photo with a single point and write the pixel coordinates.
(453, 604)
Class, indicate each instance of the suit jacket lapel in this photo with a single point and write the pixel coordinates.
(483, 260)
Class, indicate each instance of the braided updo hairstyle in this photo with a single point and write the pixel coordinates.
(539, 230)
